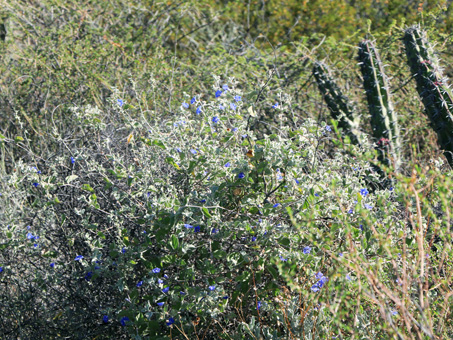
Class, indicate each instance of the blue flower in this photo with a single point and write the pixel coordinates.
(221, 107)
(160, 281)
(328, 128)
(120, 102)
(88, 276)
(165, 290)
(1, 269)
(182, 293)
(282, 258)
(275, 105)
(225, 87)
(227, 165)
(194, 152)
(124, 319)
(276, 205)
(215, 119)
(188, 226)
(341, 254)
(35, 184)
(72, 160)
(105, 318)
(258, 306)
(350, 211)
(233, 106)
(214, 231)
(78, 257)
(307, 250)
(297, 182)
(317, 195)
(211, 288)
(123, 250)
(193, 100)
(253, 238)
(315, 288)
(160, 304)
(170, 321)
(237, 98)
(198, 110)
(361, 227)
(35, 245)
(364, 192)
(30, 236)
(197, 229)
(319, 275)
(156, 270)
(52, 265)
(218, 93)
(369, 207)
(203, 201)
(97, 267)
(140, 283)
(348, 277)
(178, 149)
(185, 105)
(394, 312)
(241, 175)
(391, 189)
(235, 129)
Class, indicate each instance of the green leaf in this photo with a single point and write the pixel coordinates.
(87, 187)
(272, 271)
(206, 212)
(71, 178)
(18, 139)
(174, 243)
(159, 144)
(284, 241)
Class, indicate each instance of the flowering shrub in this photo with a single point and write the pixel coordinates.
(199, 226)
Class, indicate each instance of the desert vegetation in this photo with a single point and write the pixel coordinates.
(226, 170)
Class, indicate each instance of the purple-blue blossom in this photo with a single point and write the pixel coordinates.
(123, 320)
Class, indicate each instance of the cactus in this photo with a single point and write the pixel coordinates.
(339, 105)
(383, 117)
(431, 86)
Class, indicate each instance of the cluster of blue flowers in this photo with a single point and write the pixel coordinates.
(321, 282)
